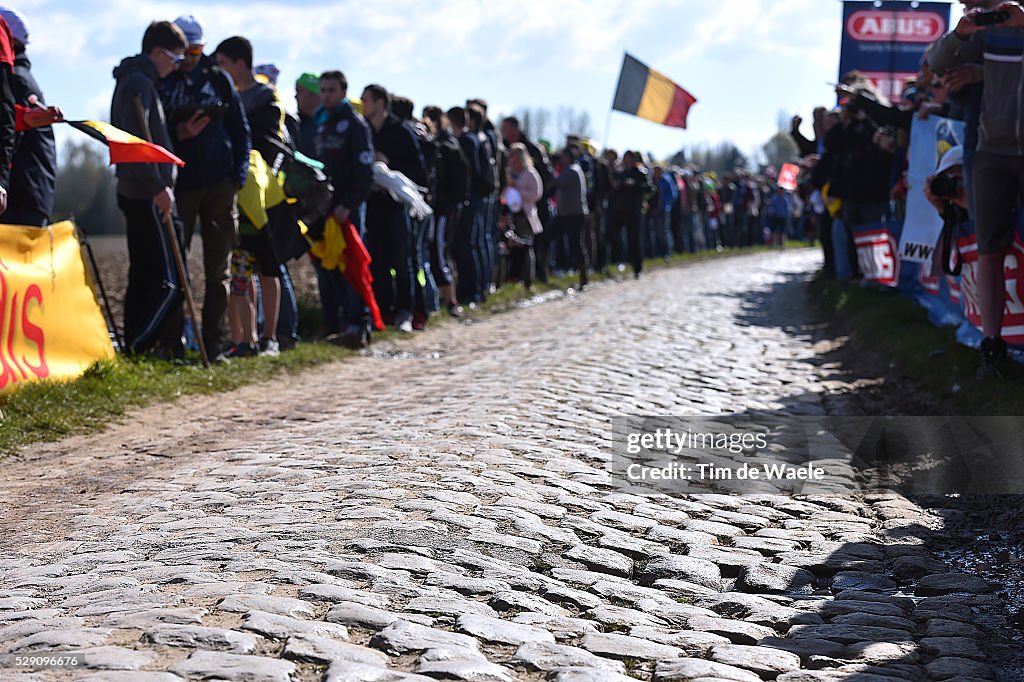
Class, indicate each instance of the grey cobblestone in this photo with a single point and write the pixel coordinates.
(450, 515)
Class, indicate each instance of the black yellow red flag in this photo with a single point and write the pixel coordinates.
(646, 93)
(125, 147)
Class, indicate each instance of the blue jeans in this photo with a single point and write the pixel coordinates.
(288, 317)
(488, 248)
(336, 293)
(426, 291)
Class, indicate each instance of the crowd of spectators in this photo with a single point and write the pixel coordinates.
(855, 165)
(490, 206)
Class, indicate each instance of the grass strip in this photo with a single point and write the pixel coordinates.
(893, 325)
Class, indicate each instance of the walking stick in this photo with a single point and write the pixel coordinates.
(179, 262)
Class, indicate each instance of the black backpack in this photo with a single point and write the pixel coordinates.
(305, 182)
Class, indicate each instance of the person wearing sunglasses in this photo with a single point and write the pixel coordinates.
(145, 195)
(211, 135)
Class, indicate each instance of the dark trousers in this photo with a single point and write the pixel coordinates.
(824, 227)
(632, 222)
(439, 259)
(542, 243)
(574, 229)
(24, 216)
(152, 303)
(215, 209)
(465, 246)
(389, 241)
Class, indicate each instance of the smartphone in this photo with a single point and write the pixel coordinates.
(990, 18)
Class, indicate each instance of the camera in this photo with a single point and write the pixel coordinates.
(945, 187)
(990, 18)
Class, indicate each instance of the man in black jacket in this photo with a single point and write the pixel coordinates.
(450, 194)
(211, 134)
(145, 194)
(343, 142)
(388, 230)
(632, 185)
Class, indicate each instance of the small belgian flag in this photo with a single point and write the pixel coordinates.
(646, 93)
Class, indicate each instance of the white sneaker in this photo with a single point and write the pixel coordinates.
(270, 347)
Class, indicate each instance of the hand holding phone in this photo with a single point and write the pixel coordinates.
(990, 17)
(193, 126)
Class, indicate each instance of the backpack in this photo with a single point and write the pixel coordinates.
(304, 181)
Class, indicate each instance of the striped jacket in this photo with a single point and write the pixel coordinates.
(1001, 50)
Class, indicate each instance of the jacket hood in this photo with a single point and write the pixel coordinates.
(140, 63)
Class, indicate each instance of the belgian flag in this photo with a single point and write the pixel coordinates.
(125, 147)
(648, 94)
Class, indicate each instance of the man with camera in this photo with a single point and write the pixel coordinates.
(996, 39)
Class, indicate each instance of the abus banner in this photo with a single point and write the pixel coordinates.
(50, 324)
(886, 41)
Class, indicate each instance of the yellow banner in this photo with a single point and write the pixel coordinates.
(50, 324)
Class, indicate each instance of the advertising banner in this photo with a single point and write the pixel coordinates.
(50, 324)
(885, 40)
(929, 140)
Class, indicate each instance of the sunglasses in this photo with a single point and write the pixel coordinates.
(194, 50)
(176, 58)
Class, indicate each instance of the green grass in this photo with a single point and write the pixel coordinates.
(51, 410)
(899, 329)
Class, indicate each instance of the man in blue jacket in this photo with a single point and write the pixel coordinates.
(210, 133)
(344, 143)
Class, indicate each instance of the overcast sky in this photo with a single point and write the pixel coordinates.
(744, 60)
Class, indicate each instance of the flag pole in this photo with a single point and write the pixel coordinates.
(607, 130)
(179, 262)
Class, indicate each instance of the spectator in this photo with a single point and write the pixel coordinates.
(145, 194)
(512, 132)
(449, 196)
(466, 240)
(778, 215)
(210, 133)
(632, 185)
(343, 142)
(34, 164)
(660, 213)
(302, 128)
(573, 210)
(388, 232)
(998, 172)
(521, 197)
(425, 301)
(266, 127)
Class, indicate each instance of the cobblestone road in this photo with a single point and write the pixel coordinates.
(441, 508)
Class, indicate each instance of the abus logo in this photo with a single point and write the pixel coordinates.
(900, 27)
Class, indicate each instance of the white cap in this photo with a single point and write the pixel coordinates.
(192, 29)
(16, 22)
(268, 71)
(954, 156)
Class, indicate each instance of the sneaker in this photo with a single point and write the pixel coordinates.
(242, 350)
(405, 326)
(455, 310)
(419, 321)
(270, 347)
(993, 353)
